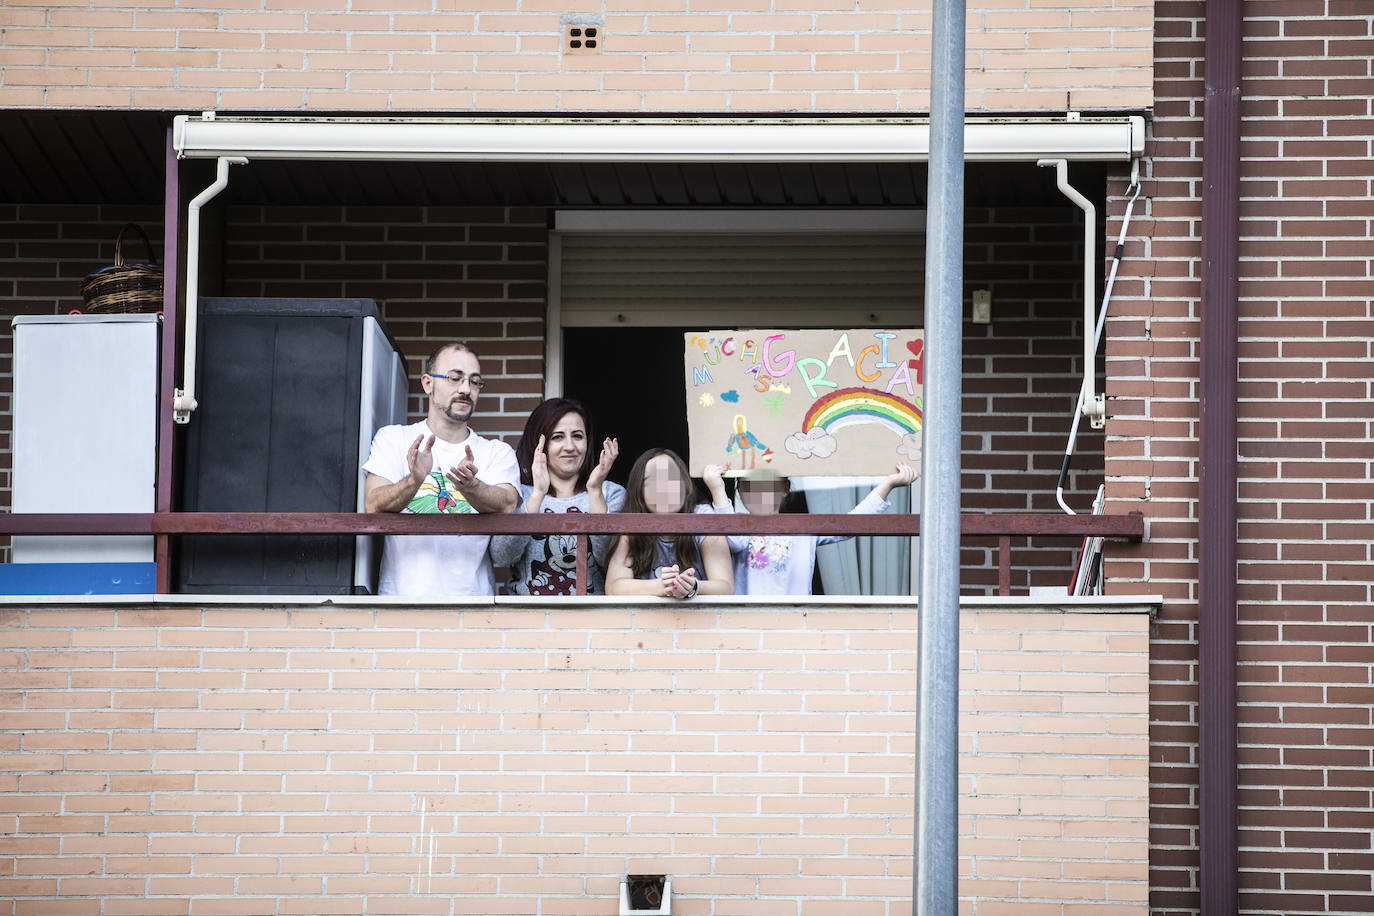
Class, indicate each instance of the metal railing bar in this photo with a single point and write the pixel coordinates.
(40, 523)
(584, 544)
(1004, 564)
(1129, 527)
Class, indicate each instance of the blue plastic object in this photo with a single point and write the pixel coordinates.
(78, 578)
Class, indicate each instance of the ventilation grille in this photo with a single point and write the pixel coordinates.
(582, 39)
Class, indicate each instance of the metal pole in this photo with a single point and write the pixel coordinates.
(936, 890)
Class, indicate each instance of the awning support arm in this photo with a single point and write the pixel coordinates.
(184, 401)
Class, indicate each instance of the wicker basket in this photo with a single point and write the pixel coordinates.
(125, 287)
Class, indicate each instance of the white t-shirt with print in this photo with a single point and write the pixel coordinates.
(445, 564)
(783, 564)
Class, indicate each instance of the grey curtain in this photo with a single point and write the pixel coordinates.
(861, 565)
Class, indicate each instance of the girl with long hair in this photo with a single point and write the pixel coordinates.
(559, 472)
(677, 566)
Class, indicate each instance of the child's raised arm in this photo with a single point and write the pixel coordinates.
(713, 475)
(876, 500)
(901, 477)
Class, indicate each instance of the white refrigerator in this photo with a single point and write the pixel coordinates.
(85, 433)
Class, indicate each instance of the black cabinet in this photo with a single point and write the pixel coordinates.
(290, 392)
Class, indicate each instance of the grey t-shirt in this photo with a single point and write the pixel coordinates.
(664, 555)
(547, 564)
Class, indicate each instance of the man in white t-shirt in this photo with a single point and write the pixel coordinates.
(441, 465)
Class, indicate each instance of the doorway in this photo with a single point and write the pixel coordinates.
(631, 381)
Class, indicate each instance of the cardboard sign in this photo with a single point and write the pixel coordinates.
(813, 402)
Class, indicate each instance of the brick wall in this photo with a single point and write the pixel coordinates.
(438, 273)
(1305, 451)
(659, 55)
(518, 759)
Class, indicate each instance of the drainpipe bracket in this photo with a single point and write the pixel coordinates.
(182, 406)
(1096, 412)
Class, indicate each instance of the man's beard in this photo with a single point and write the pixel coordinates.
(457, 410)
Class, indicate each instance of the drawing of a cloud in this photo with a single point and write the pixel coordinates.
(815, 442)
(910, 447)
(730, 396)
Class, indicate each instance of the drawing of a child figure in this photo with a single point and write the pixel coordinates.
(747, 444)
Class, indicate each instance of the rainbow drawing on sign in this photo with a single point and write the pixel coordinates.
(851, 406)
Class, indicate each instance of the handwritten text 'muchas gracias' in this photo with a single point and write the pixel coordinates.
(777, 363)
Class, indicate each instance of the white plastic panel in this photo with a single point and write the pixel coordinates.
(85, 429)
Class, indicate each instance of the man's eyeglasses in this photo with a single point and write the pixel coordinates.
(458, 378)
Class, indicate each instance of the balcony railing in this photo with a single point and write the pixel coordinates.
(1002, 525)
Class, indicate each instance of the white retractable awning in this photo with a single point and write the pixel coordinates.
(676, 139)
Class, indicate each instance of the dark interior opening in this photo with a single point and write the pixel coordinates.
(633, 389)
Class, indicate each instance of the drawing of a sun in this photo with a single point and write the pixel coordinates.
(706, 400)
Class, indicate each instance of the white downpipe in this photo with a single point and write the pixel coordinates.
(184, 401)
(1097, 333)
(1092, 405)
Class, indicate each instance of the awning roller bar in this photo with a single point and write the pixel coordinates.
(211, 136)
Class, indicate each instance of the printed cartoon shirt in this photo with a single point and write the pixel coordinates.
(437, 494)
(547, 564)
(783, 564)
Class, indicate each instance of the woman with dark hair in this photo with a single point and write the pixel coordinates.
(558, 473)
(677, 566)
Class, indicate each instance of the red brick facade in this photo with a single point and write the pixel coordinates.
(1305, 492)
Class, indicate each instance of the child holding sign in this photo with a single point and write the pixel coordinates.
(783, 564)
